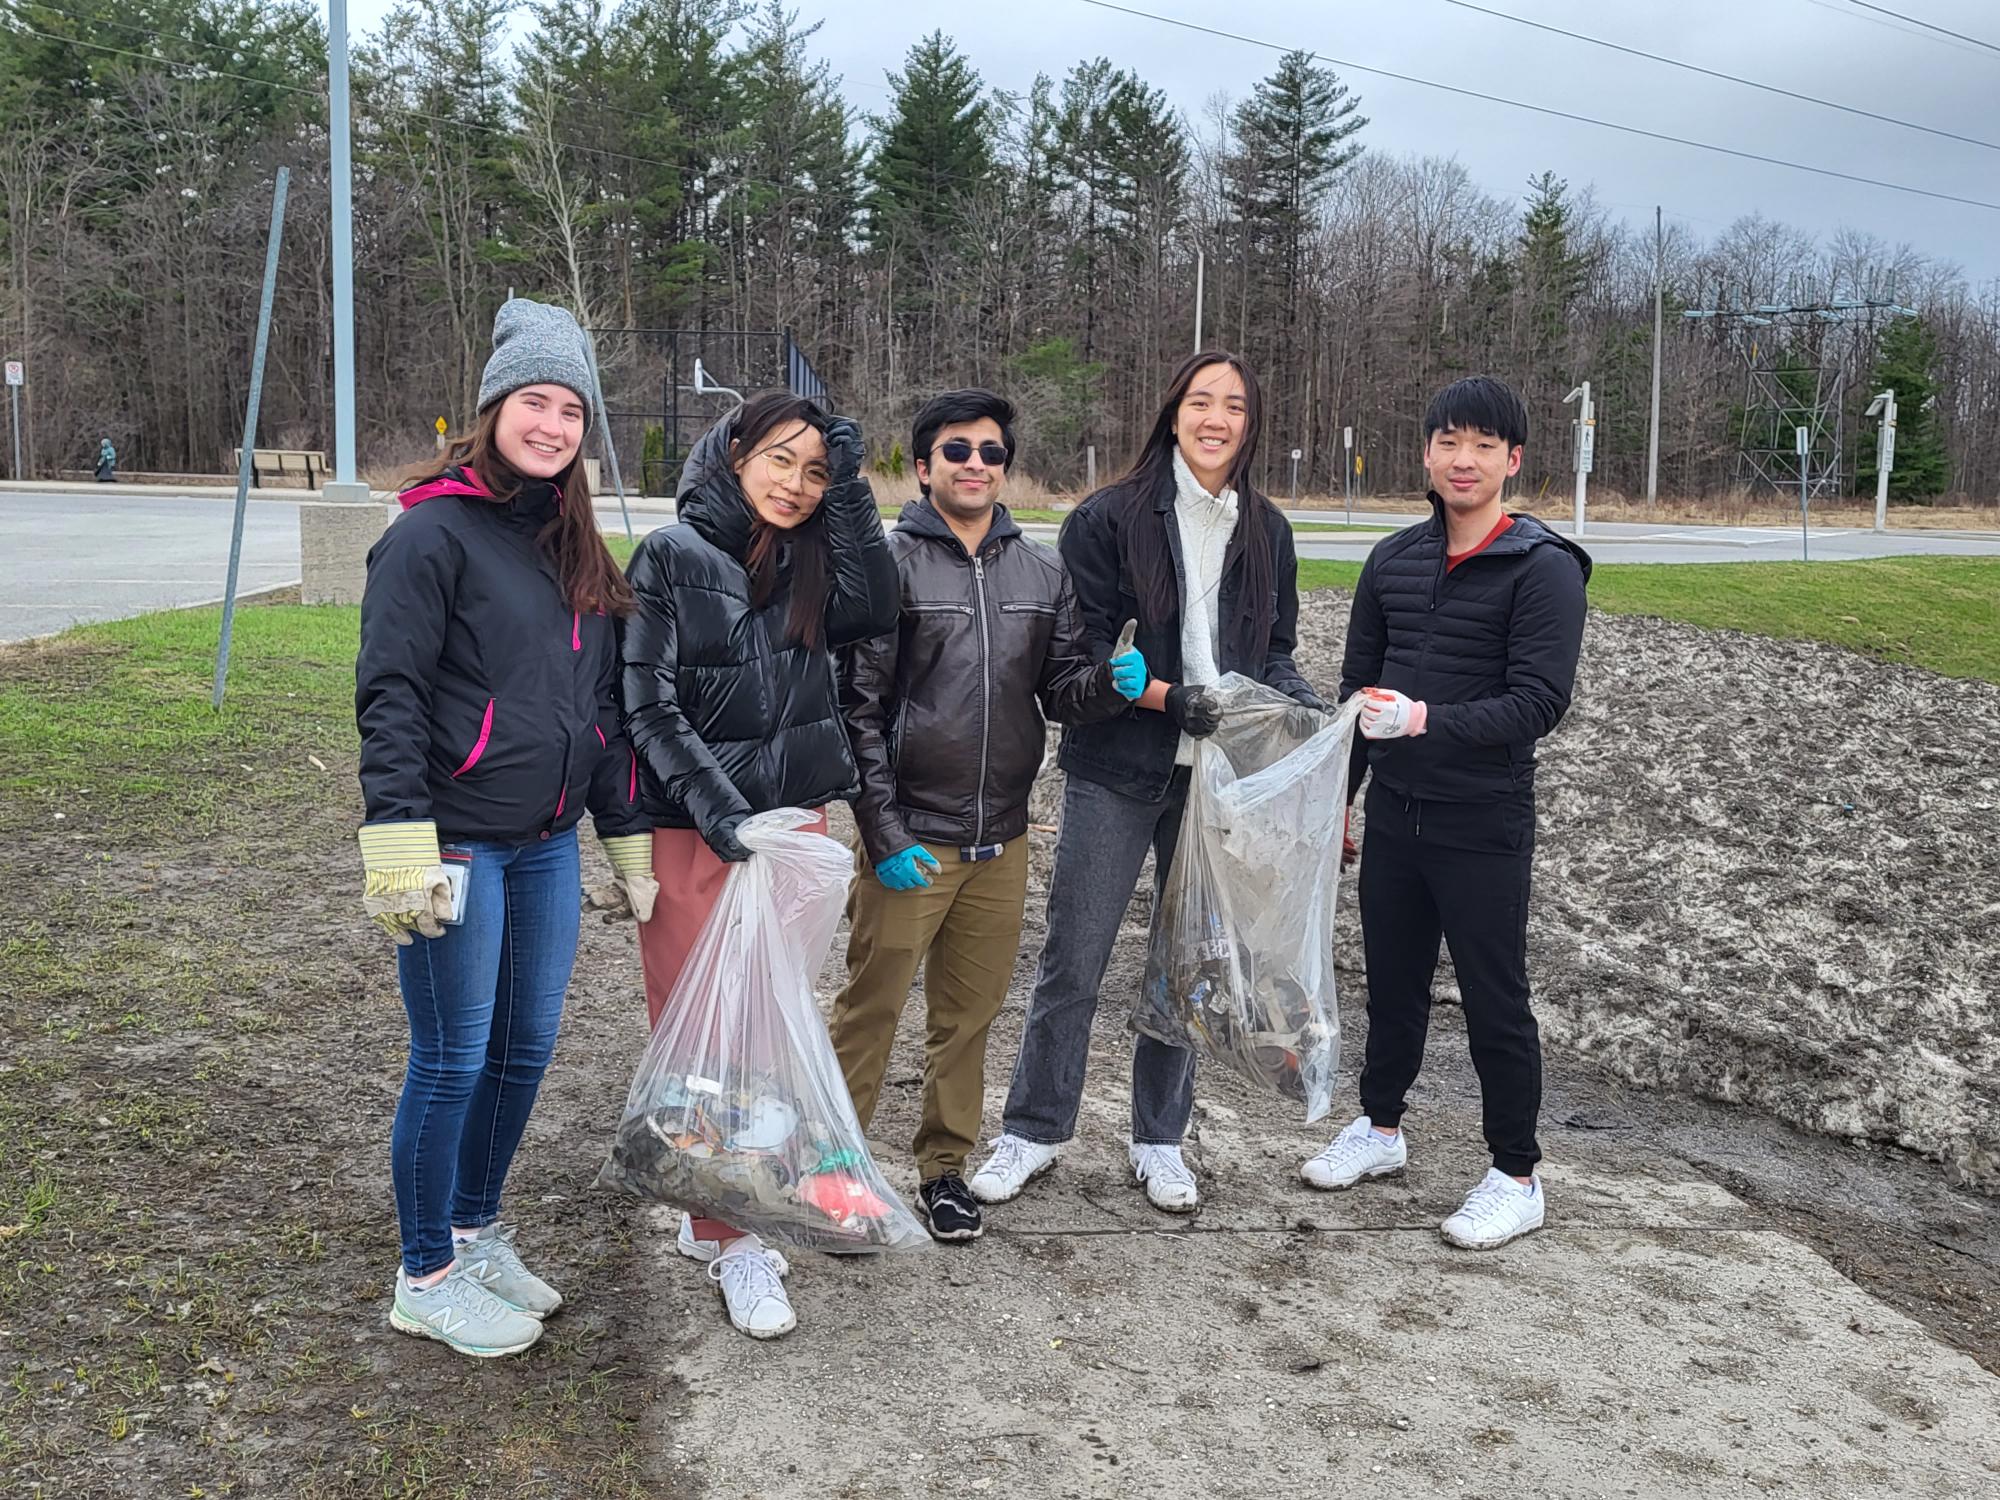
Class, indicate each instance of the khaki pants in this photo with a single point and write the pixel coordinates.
(965, 928)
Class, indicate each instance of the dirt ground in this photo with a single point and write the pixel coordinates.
(1766, 886)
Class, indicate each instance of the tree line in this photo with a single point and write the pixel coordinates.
(689, 164)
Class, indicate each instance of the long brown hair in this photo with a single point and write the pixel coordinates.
(1149, 562)
(809, 565)
(586, 572)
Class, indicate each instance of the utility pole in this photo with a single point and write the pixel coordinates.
(341, 143)
(1200, 280)
(1884, 406)
(1653, 433)
(1586, 445)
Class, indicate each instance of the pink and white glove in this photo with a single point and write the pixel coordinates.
(1387, 715)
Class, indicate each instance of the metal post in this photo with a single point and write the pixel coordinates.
(604, 428)
(1200, 280)
(249, 454)
(1802, 441)
(341, 143)
(14, 400)
(1586, 445)
(1347, 468)
(1884, 406)
(1653, 433)
(1090, 470)
(1295, 476)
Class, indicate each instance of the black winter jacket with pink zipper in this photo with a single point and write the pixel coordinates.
(484, 701)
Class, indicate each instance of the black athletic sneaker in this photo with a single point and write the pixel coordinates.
(952, 1210)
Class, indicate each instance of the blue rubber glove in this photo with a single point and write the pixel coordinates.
(905, 871)
(1129, 674)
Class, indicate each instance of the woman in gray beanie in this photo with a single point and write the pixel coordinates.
(487, 698)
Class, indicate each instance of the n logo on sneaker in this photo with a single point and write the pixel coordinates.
(442, 1318)
(482, 1272)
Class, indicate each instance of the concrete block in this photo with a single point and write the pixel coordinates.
(333, 549)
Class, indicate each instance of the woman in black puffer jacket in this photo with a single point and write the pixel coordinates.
(776, 558)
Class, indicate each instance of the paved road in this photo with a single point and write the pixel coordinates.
(71, 557)
(68, 559)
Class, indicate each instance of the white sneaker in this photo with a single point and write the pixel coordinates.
(1170, 1185)
(706, 1250)
(1013, 1165)
(751, 1289)
(1360, 1151)
(1496, 1211)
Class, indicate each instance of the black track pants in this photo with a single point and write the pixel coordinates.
(1459, 872)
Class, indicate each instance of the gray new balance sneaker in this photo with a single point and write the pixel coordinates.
(456, 1312)
(491, 1260)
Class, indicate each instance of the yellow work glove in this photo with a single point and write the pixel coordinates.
(404, 888)
(632, 874)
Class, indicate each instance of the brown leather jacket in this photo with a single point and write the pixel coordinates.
(946, 712)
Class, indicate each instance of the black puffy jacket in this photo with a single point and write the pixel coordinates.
(1134, 753)
(727, 713)
(484, 701)
(945, 712)
(1489, 646)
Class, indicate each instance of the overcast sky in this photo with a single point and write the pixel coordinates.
(1830, 49)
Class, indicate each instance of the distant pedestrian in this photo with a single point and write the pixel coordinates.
(1186, 544)
(1464, 638)
(486, 693)
(107, 462)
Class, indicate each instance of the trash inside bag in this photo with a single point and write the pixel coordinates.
(1240, 965)
(739, 1111)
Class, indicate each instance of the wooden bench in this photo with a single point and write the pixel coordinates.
(283, 463)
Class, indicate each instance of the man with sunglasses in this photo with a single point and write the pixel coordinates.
(946, 717)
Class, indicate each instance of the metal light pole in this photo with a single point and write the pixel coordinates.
(1884, 406)
(1586, 445)
(341, 139)
(1347, 468)
(1802, 442)
(1200, 286)
(1653, 433)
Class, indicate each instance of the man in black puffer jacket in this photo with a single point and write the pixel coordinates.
(946, 716)
(1464, 637)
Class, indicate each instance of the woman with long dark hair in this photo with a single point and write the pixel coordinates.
(486, 694)
(1186, 545)
(776, 558)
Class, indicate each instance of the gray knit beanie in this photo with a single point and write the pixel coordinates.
(535, 344)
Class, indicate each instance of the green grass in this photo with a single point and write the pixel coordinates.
(115, 719)
(1942, 613)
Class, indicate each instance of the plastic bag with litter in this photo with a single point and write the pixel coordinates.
(1240, 965)
(739, 1111)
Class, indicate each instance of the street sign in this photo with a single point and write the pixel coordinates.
(1802, 440)
(1347, 437)
(440, 425)
(1586, 450)
(17, 373)
(1297, 454)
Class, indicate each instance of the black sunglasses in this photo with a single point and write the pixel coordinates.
(958, 450)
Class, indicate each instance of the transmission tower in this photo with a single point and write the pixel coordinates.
(1794, 376)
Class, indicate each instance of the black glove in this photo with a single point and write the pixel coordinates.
(843, 450)
(723, 841)
(1193, 710)
(1307, 698)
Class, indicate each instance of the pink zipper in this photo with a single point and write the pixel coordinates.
(602, 742)
(575, 631)
(478, 745)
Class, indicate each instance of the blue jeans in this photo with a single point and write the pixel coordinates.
(1103, 844)
(484, 1002)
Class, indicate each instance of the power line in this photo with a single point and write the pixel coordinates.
(1541, 109)
(1928, 26)
(1750, 83)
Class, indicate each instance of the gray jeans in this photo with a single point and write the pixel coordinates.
(1103, 845)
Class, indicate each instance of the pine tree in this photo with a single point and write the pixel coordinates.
(1551, 272)
(933, 147)
(1920, 470)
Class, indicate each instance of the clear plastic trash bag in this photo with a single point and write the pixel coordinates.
(1240, 964)
(739, 1111)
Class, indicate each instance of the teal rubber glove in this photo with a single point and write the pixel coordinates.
(1129, 675)
(905, 871)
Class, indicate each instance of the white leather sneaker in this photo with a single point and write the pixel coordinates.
(1496, 1211)
(1013, 1165)
(751, 1289)
(1169, 1180)
(706, 1250)
(1358, 1152)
